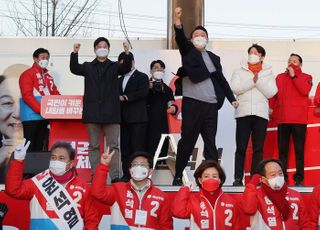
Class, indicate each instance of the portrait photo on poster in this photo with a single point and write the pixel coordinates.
(11, 131)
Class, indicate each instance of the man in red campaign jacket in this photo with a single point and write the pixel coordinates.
(315, 208)
(273, 206)
(210, 208)
(290, 107)
(137, 204)
(58, 198)
(36, 81)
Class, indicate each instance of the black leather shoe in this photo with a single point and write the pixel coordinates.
(237, 182)
(177, 181)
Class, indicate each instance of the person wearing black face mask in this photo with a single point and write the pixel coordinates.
(134, 88)
(159, 105)
(210, 208)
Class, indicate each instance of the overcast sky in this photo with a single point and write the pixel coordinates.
(238, 19)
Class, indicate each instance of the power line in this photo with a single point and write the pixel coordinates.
(122, 23)
(162, 31)
(112, 13)
(262, 26)
(97, 23)
(101, 28)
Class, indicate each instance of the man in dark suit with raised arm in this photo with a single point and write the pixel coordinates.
(203, 90)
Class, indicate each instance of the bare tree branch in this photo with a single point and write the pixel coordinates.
(66, 14)
(20, 22)
(75, 19)
(52, 17)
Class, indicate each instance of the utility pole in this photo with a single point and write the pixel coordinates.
(192, 16)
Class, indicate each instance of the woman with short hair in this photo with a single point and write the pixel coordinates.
(210, 208)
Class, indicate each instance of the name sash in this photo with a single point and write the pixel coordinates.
(60, 200)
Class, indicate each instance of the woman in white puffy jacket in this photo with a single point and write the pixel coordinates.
(253, 84)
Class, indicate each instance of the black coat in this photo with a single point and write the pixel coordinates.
(134, 110)
(197, 71)
(101, 95)
(158, 117)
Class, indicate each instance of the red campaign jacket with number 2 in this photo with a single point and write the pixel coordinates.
(36, 82)
(290, 104)
(39, 209)
(196, 207)
(265, 215)
(314, 208)
(124, 203)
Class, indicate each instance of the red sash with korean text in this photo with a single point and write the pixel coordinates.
(60, 200)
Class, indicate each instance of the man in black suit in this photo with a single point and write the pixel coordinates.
(133, 88)
(204, 89)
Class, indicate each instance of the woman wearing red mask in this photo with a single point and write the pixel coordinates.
(210, 208)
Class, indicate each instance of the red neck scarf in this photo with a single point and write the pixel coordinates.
(278, 198)
(65, 177)
(297, 69)
(255, 68)
(211, 197)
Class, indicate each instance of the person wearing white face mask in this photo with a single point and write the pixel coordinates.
(54, 193)
(101, 105)
(210, 208)
(253, 84)
(204, 89)
(160, 104)
(136, 204)
(273, 205)
(34, 83)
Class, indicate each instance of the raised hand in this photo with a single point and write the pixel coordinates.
(76, 47)
(255, 179)
(177, 16)
(191, 186)
(126, 47)
(291, 71)
(171, 109)
(21, 150)
(178, 12)
(106, 157)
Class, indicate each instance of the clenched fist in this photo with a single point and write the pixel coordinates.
(76, 47)
(126, 47)
(177, 16)
(178, 12)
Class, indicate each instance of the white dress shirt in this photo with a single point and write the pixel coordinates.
(126, 79)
